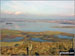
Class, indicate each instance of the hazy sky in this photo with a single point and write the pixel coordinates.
(36, 9)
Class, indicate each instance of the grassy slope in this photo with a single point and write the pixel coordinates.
(43, 48)
(15, 33)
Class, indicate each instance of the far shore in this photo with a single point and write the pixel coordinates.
(64, 27)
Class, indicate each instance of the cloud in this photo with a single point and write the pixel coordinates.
(17, 13)
(38, 8)
(12, 13)
(8, 12)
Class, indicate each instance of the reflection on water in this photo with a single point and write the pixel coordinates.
(12, 39)
(37, 27)
(65, 37)
(34, 39)
(39, 40)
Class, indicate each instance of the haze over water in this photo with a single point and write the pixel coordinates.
(22, 10)
(38, 27)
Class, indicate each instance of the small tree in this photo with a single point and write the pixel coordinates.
(16, 45)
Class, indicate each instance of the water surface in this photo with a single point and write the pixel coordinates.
(12, 39)
(64, 37)
(37, 27)
(40, 40)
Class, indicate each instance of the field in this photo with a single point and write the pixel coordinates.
(41, 48)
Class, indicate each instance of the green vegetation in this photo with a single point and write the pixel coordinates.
(43, 48)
